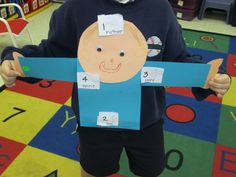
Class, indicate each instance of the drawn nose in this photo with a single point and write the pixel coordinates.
(111, 60)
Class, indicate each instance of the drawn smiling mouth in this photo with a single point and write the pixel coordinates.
(104, 68)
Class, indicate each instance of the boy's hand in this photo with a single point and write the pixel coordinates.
(220, 84)
(8, 73)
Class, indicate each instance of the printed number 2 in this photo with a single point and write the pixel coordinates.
(104, 118)
(18, 109)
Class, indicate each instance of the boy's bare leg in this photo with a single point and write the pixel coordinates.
(85, 174)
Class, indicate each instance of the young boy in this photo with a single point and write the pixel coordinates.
(101, 148)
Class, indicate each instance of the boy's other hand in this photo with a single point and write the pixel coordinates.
(8, 73)
(220, 84)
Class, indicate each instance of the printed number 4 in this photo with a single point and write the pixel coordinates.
(85, 79)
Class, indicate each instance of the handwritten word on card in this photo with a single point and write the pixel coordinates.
(88, 81)
(110, 24)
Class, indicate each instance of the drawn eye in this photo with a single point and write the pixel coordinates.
(99, 48)
(122, 53)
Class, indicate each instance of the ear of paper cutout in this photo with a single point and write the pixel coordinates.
(115, 58)
(215, 64)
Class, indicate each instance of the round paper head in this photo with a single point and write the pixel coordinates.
(114, 58)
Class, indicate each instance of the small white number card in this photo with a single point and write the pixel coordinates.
(88, 81)
(110, 24)
(108, 119)
(152, 75)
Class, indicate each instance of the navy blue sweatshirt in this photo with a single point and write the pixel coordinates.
(151, 17)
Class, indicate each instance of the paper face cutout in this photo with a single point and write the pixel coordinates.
(115, 58)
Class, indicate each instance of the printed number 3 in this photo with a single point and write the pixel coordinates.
(145, 74)
(49, 84)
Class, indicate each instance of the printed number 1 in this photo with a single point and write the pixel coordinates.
(18, 109)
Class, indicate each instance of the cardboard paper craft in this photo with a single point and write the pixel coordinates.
(110, 71)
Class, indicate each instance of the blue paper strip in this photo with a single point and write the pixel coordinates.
(63, 69)
(180, 74)
(123, 98)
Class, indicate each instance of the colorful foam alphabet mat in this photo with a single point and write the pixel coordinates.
(38, 128)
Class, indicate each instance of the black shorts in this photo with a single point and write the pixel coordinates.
(100, 150)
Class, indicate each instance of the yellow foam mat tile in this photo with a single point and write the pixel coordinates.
(230, 97)
(21, 116)
(68, 102)
(33, 162)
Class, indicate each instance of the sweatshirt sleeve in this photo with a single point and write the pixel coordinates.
(176, 51)
(61, 41)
